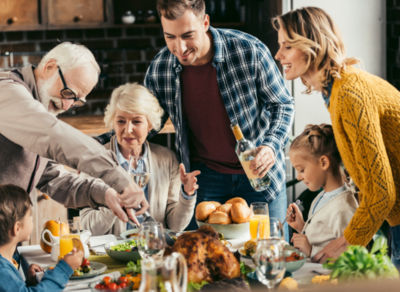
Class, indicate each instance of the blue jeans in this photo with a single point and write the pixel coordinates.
(395, 245)
(220, 187)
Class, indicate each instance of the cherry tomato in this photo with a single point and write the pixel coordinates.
(107, 280)
(112, 286)
(100, 286)
(123, 285)
(85, 262)
(123, 279)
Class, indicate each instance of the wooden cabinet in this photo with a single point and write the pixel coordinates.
(75, 12)
(16, 13)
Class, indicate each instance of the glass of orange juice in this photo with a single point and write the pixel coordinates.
(69, 237)
(259, 222)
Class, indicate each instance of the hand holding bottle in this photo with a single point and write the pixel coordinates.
(246, 152)
(263, 160)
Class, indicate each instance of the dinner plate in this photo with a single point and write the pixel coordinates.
(97, 269)
(243, 253)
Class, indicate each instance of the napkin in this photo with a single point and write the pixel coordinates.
(74, 285)
(96, 243)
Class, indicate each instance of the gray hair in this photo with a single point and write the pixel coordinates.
(135, 99)
(69, 56)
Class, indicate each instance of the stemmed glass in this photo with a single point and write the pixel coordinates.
(151, 240)
(270, 262)
(276, 228)
(140, 178)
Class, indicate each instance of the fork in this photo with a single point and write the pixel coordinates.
(298, 203)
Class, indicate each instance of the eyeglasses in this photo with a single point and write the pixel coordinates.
(67, 93)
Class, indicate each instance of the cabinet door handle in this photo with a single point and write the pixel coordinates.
(12, 20)
(78, 18)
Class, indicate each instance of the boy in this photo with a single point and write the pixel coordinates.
(16, 226)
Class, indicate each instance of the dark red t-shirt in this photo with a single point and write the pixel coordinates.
(211, 140)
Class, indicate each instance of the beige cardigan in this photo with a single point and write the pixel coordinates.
(167, 205)
(329, 222)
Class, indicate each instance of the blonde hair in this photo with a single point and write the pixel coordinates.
(316, 141)
(312, 30)
(135, 99)
(69, 56)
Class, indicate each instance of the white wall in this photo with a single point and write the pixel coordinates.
(362, 24)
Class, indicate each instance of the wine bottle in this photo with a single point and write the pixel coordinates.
(245, 150)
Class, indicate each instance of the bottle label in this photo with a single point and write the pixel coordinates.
(247, 170)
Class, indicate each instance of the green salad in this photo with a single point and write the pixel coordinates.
(125, 246)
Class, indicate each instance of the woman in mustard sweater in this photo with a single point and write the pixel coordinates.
(365, 114)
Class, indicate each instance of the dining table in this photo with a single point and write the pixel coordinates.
(35, 254)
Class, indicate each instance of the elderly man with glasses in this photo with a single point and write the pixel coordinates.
(33, 141)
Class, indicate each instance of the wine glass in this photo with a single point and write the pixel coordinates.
(141, 178)
(259, 221)
(276, 228)
(270, 262)
(151, 240)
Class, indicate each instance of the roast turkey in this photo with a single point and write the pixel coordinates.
(207, 257)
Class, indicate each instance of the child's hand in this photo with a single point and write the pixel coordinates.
(294, 217)
(301, 242)
(74, 259)
(189, 180)
(33, 269)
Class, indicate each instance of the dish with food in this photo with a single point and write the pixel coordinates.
(294, 258)
(96, 269)
(123, 250)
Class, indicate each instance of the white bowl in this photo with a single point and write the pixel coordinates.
(230, 231)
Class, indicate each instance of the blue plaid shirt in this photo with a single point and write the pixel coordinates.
(252, 90)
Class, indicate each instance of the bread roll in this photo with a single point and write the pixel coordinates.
(240, 213)
(219, 217)
(204, 209)
(226, 208)
(236, 200)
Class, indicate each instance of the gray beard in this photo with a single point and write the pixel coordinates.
(46, 98)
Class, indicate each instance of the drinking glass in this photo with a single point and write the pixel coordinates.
(69, 237)
(276, 228)
(270, 262)
(151, 240)
(140, 178)
(259, 222)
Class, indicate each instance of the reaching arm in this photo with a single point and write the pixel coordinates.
(26, 122)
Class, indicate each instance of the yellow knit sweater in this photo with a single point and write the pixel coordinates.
(365, 114)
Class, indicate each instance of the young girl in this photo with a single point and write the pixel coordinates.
(316, 159)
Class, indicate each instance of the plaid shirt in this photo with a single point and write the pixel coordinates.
(252, 90)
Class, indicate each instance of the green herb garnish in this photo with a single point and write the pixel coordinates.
(357, 263)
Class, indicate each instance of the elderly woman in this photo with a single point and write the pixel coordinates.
(132, 113)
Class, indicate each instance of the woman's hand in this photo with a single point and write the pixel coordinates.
(332, 250)
(189, 180)
(294, 217)
(263, 161)
(301, 242)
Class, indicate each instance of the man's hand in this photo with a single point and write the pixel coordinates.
(263, 161)
(132, 197)
(332, 250)
(301, 242)
(294, 217)
(189, 180)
